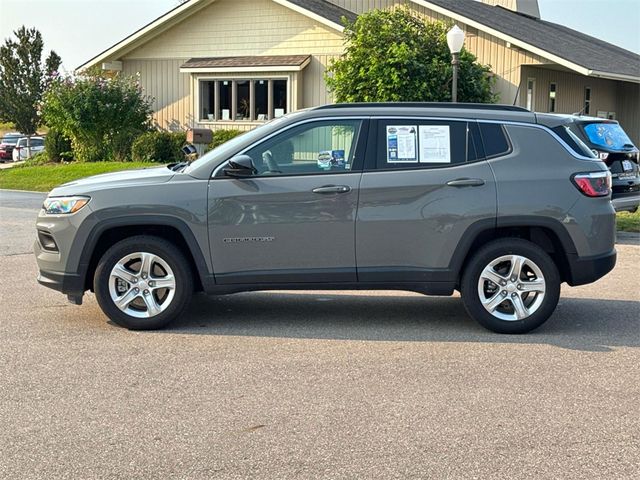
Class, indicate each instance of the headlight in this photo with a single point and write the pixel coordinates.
(61, 205)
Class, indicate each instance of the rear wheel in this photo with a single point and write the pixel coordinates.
(510, 286)
(143, 283)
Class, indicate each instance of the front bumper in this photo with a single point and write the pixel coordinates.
(67, 283)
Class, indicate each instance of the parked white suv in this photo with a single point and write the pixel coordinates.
(21, 152)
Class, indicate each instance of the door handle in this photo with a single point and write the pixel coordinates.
(466, 182)
(327, 189)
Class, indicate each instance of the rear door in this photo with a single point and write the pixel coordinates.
(421, 192)
(294, 221)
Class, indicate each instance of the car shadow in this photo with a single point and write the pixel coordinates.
(579, 324)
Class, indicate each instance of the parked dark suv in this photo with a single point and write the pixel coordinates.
(497, 202)
(611, 144)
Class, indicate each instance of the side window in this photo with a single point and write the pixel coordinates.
(494, 139)
(412, 144)
(313, 148)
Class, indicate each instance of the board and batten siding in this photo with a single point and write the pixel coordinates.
(231, 28)
(570, 90)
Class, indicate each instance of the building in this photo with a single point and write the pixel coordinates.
(237, 63)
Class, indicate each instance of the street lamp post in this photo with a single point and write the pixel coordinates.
(455, 40)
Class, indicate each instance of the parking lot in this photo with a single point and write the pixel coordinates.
(314, 384)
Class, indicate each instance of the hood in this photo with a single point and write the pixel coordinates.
(141, 176)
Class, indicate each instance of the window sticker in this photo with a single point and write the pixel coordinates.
(329, 159)
(435, 144)
(402, 143)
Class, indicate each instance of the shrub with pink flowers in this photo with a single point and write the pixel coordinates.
(101, 114)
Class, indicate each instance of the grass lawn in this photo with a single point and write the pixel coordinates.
(43, 178)
(629, 222)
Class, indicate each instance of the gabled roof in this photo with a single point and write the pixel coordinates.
(570, 48)
(319, 10)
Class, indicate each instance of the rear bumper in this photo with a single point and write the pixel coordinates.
(583, 270)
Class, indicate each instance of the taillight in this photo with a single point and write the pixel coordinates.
(593, 184)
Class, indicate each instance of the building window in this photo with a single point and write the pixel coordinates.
(243, 100)
(225, 101)
(587, 101)
(279, 98)
(553, 88)
(531, 94)
(261, 104)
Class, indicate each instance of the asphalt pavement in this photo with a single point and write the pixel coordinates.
(312, 385)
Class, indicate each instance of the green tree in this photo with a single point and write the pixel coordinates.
(101, 115)
(24, 78)
(396, 56)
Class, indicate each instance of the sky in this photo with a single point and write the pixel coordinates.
(80, 29)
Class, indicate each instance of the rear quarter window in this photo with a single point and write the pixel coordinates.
(574, 142)
(494, 139)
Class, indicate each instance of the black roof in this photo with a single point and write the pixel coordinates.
(326, 9)
(571, 45)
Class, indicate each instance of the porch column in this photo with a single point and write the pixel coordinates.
(216, 100)
(234, 100)
(252, 100)
(270, 100)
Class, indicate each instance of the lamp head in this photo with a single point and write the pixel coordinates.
(455, 39)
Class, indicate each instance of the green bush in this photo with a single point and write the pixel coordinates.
(163, 147)
(101, 114)
(57, 146)
(222, 136)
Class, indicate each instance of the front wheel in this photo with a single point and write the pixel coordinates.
(143, 283)
(510, 286)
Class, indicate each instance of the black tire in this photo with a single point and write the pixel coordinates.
(167, 252)
(492, 251)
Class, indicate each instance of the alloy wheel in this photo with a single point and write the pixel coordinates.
(511, 287)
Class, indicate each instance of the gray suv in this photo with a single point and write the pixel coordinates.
(494, 201)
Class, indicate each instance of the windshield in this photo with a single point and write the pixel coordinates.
(229, 147)
(10, 140)
(610, 136)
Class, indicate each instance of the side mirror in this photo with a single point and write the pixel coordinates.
(240, 166)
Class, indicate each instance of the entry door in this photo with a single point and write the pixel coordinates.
(294, 221)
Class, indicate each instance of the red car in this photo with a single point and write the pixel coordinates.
(7, 145)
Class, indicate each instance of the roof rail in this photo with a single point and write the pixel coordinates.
(445, 105)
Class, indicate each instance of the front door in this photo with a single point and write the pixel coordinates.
(294, 220)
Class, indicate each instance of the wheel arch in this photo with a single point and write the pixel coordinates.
(108, 232)
(548, 234)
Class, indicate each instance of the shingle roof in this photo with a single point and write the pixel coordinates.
(571, 45)
(257, 61)
(326, 9)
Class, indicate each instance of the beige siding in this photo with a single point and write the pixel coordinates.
(231, 28)
(359, 6)
(170, 89)
(570, 91)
